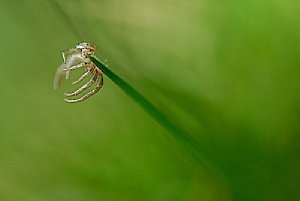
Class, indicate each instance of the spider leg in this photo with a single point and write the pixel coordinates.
(85, 86)
(77, 66)
(81, 77)
(68, 69)
(90, 93)
(65, 52)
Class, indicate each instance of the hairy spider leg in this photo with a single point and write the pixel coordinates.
(81, 77)
(65, 52)
(77, 66)
(73, 61)
(85, 86)
(90, 93)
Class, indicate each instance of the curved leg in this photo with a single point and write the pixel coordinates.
(68, 69)
(90, 93)
(81, 77)
(70, 64)
(85, 86)
(77, 66)
(65, 52)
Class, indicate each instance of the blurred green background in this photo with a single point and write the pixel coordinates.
(226, 72)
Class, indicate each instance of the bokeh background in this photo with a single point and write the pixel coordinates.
(226, 72)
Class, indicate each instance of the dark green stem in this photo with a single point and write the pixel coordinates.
(193, 146)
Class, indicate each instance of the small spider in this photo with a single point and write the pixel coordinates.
(75, 58)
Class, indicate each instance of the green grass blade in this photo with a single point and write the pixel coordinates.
(192, 145)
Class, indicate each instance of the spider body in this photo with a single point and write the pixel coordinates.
(76, 58)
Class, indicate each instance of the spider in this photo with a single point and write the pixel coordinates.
(75, 58)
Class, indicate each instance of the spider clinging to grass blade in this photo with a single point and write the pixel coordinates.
(76, 58)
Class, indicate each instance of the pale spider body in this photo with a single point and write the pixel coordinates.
(76, 58)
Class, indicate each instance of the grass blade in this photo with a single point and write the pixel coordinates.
(192, 145)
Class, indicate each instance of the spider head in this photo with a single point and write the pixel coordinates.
(86, 45)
